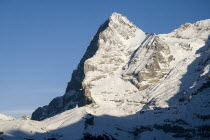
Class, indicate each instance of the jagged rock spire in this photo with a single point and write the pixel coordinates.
(116, 33)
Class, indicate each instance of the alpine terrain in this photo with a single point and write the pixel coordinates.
(129, 85)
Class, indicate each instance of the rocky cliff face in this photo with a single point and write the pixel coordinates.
(114, 40)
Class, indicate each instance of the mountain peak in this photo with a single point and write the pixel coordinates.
(113, 42)
(119, 19)
(198, 30)
(116, 15)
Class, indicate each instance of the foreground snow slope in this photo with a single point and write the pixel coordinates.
(129, 85)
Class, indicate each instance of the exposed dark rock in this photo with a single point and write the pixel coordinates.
(140, 129)
(51, 139)
(89, 121)
(28, 139)
(203, 117)
(99, 137)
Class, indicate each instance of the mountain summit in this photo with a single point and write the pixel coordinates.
(108, 50)
(131, 85)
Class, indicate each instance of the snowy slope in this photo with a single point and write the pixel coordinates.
(131, 85)
(5, 117)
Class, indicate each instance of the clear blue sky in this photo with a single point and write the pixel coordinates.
(42, 41)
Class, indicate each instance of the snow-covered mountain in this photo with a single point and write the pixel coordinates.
(131, 85)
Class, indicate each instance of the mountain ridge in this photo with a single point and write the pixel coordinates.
(117, 36)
